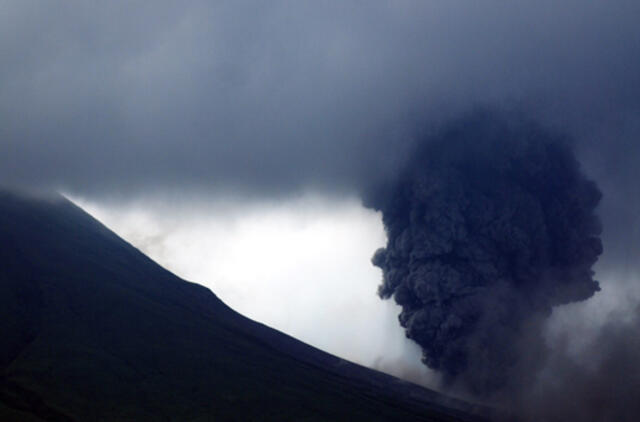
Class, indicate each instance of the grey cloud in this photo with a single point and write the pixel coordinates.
(600, 384)
(281, 96)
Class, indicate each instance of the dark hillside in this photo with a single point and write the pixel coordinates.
(92, 329)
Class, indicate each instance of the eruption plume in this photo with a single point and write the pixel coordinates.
(489, 226)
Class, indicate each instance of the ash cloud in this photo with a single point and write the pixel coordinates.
(493, 233)
(491, 224)
(600, 384)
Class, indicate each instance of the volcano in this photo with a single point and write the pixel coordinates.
(92, 329)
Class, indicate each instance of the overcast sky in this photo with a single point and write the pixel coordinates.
(270, 97)
(167, 119)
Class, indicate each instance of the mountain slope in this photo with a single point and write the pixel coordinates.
(92, 329)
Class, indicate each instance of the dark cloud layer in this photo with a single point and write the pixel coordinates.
(280, 96)
(490, 225)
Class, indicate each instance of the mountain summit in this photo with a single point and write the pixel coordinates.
(92, 329)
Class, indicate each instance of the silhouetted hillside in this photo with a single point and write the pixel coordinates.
(92, 329)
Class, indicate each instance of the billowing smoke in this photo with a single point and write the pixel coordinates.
(601, 383)
(490, 225)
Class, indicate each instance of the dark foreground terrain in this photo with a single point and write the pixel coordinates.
(92, 329)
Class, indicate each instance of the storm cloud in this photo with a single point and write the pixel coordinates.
(285, 96)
